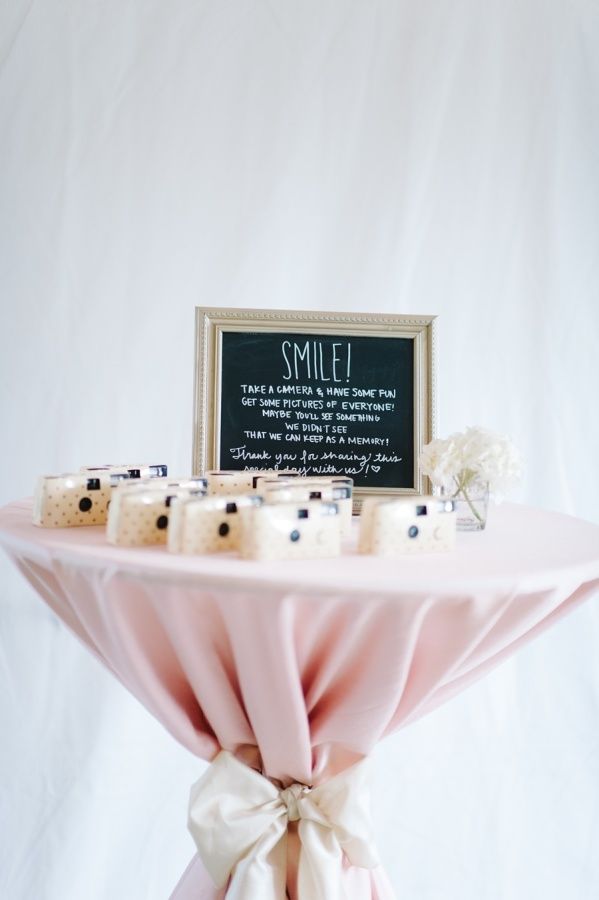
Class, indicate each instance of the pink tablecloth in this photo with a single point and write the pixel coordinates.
(300, 668)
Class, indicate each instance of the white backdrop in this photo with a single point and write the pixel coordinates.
(393, 156)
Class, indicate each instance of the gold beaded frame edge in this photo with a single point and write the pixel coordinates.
(211, 322)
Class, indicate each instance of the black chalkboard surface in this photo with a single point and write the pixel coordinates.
(319, 403)
(321, 393)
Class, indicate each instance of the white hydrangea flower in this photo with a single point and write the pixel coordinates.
(476, 454)
(440, 462)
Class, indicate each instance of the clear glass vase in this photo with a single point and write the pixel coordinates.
(471, 502)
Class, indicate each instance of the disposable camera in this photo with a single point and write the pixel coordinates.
(291, 531)
(407, 525)
(66, 501)
(196, 483)
(302, 490)
(135, 470)
(243, 481)
(209, 524)
(139, 515)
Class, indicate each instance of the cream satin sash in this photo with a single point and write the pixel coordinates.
(238, 820)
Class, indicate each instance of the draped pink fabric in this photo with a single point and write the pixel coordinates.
(300, 668)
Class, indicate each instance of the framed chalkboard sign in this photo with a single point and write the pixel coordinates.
(325, 393)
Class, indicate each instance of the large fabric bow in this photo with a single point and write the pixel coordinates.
(238, 820)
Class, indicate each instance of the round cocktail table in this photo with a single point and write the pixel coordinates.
(296, 670)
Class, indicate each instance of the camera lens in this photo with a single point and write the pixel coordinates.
(223, 529)
(85, 504)
(412, 531)
(294, 536)
(161, 522)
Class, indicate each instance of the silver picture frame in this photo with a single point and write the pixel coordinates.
(213, 322)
